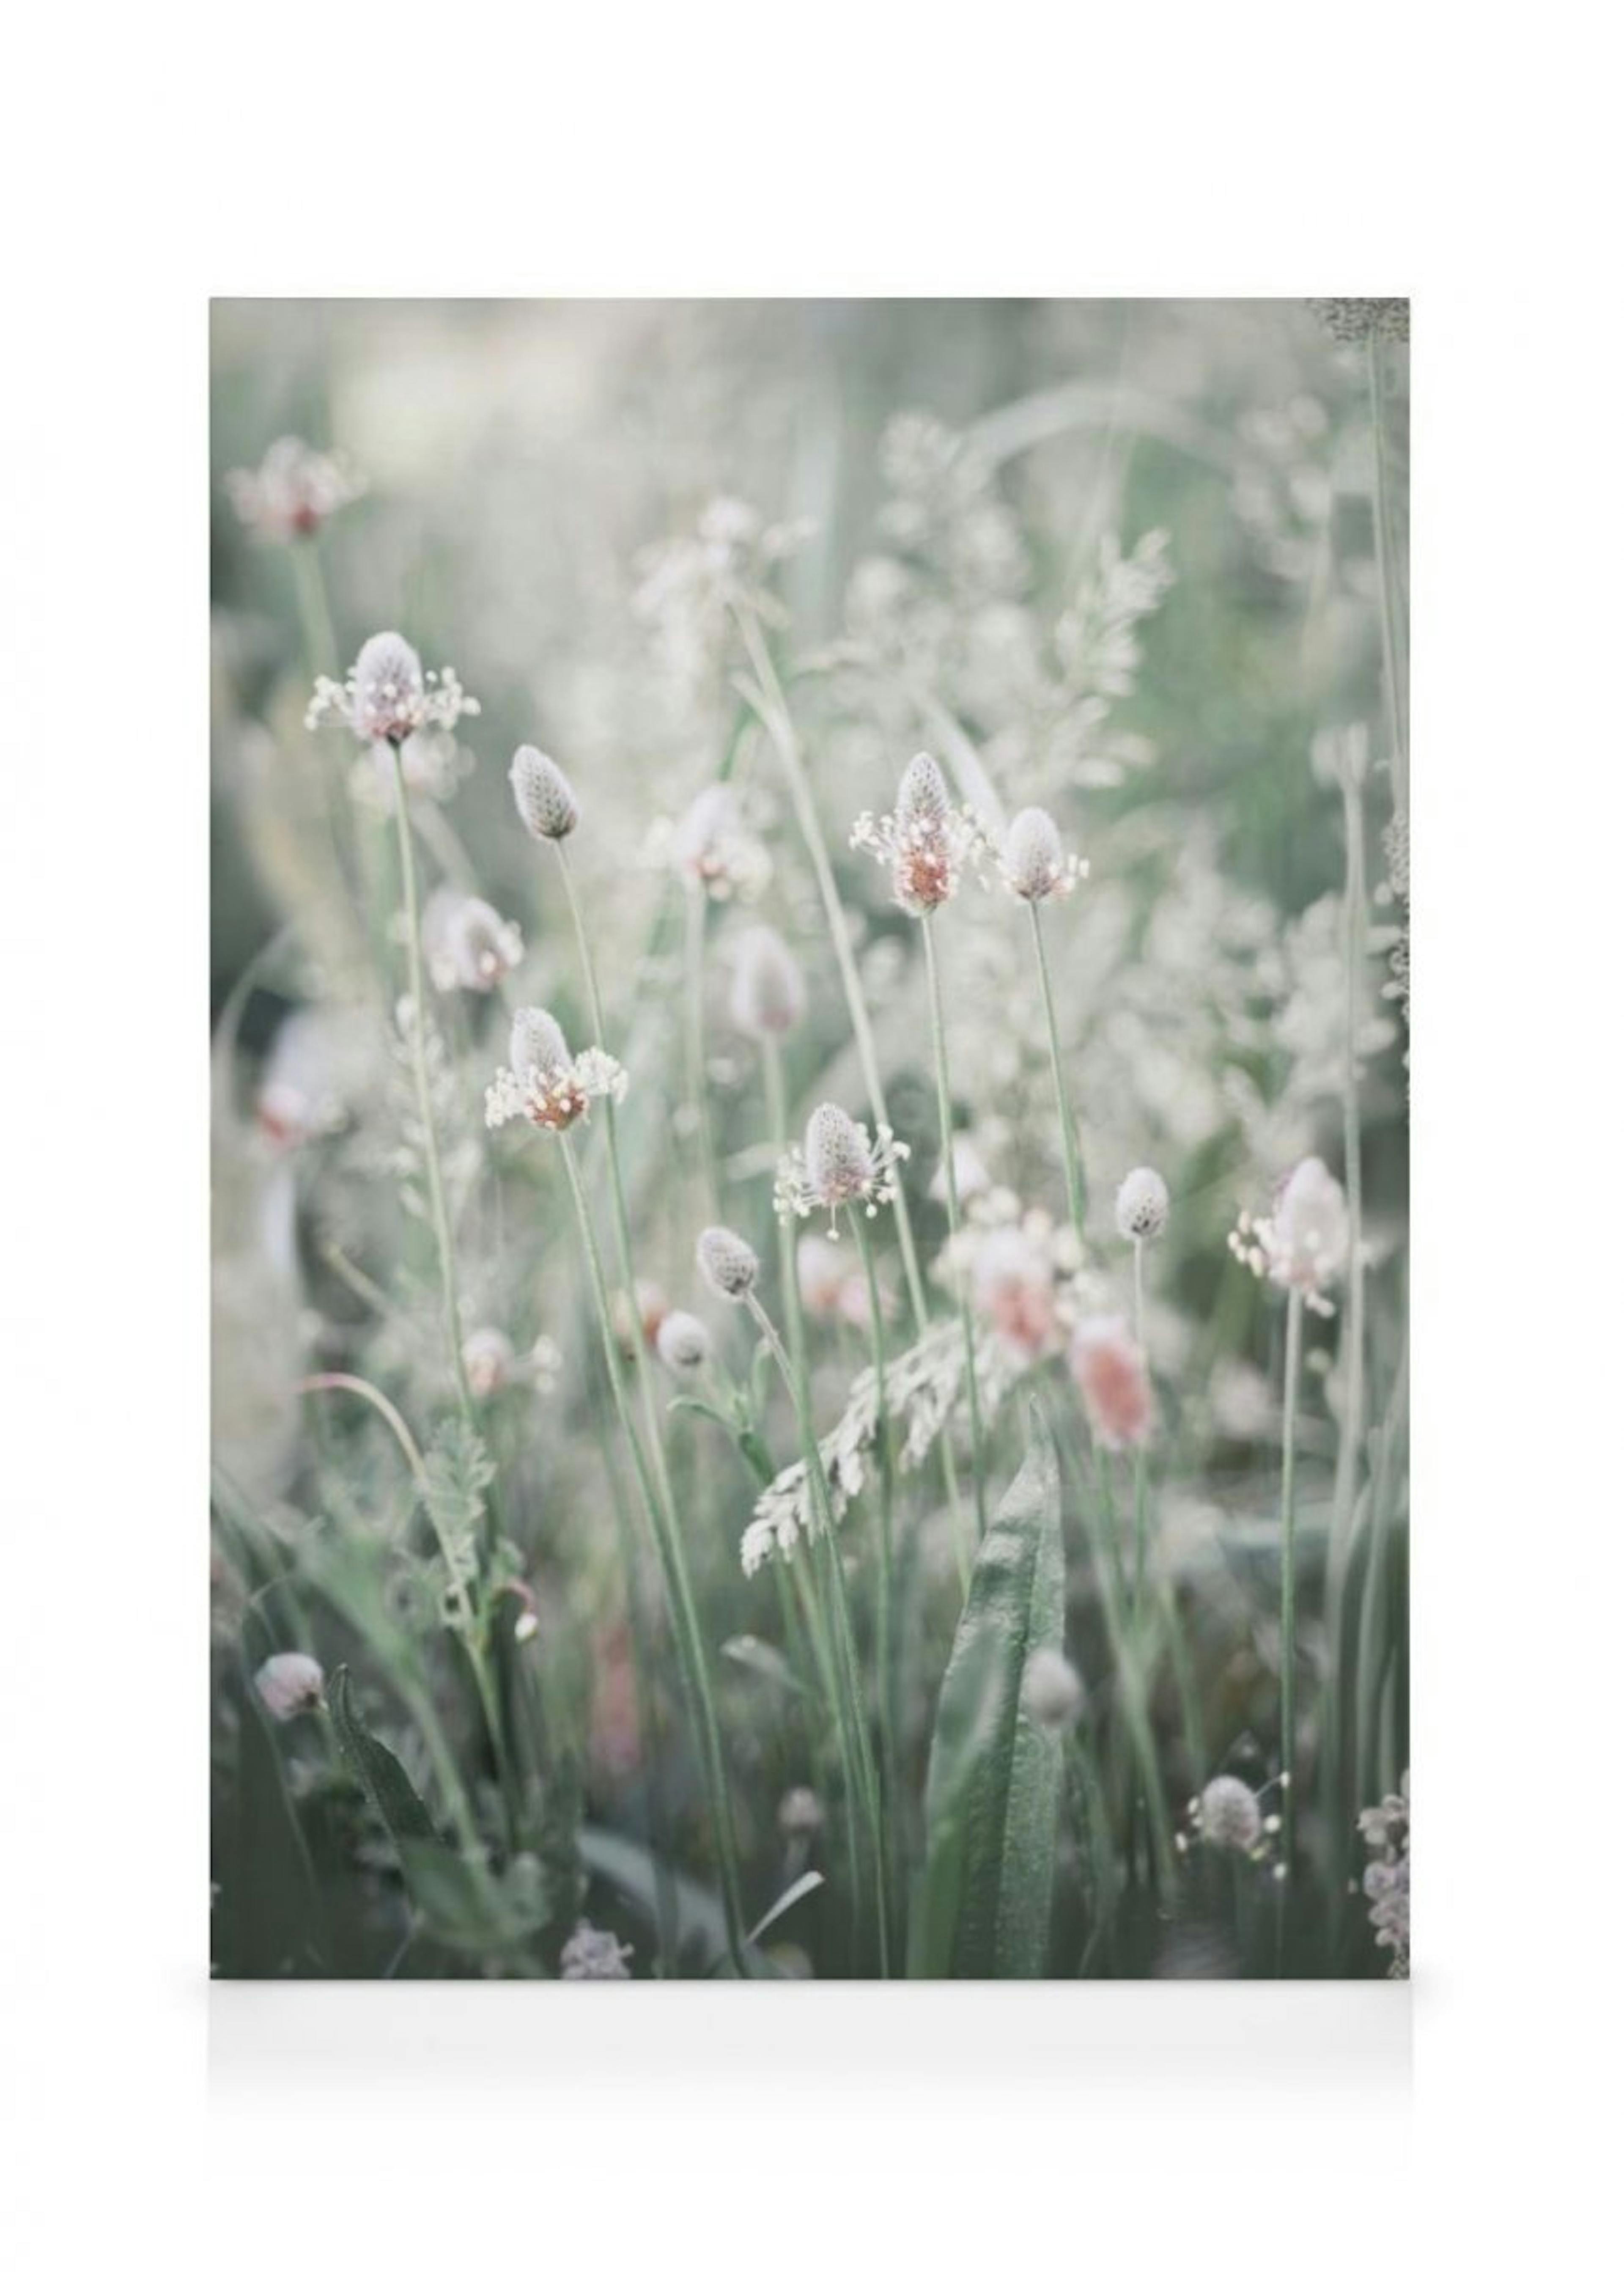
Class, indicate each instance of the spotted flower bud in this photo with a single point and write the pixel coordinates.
(769, 994)
(728, 1264)
(289, 1685)
(1108, 1366)
(684, 1341)
(543, 1082)
(547, 803)
(837, 1167)
(922, 794)
(1227, 1814)
(925, 842)
(1142, 1205)
(388, 697)
(537, 1045)
(1051, 1690)
(1034, 863)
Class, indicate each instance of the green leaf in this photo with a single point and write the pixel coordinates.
(754, 1654)
(807, 1882)
(992, 1797)
(700, 1923)
(378, 1772)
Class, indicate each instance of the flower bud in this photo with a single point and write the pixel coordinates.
(769, 994)
(728, 1264)
(1229, 1814)
(537, 1045)
(388, 697)
(839, 1164)
(1142, 1205)
(1034, 859)
(1051, 1690)
(684, 1341)
(922, 794)
(801, 1813)
(289, 1684)
(547, 803)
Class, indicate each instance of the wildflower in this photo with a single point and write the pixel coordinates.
(1109, 1368)
(801, 1813)
(589, 1954)
(1033, 862)
(1012, 1285)
(547, 803)
(684, 1341)
(466, 944)
(637, 1317)
(927, 842)
(527, 1625)
(1303, 1246)
(769, 995)
(969, 1174)
(1227, 1814)
(1386, 1883)
(829, 1281)
(837, 1167)
(289, 1684)
(1051, 1691)
(1142, 1205)
(292, 491)
(387, 696)
(543, 1083)
(715, 852)
(487, 1361)
(728, 1264)
(1349, 321)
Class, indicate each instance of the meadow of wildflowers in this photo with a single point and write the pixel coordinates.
(810, 1043)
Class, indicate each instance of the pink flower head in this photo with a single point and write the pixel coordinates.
(1114, 1383)
(1013, 1285)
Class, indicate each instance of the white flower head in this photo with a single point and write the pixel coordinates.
(1051, 1691)
(716, 852)
(1302, 1246)
(769, 996)
(542, 790)
(684, 1341)
(1227, 1814)
(487, 1361)
(1033, 862)
(1142, 1205)
(293, 491)
(589, 1954)
(387, 696)
(729, 1265)
(837, 1167)
(543, 1083)
(801, 1813)
(466, 943)
(289, 1685)
(927, 842)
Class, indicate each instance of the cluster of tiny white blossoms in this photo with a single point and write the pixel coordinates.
(1033, 862)
(292, 491)
(1385, 1829)
(388, 696)
(543, 1083)
(838, 1166)
(1302, 1246)
(1227, 1814)
(927, 842)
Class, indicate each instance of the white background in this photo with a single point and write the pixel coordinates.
(155, 158)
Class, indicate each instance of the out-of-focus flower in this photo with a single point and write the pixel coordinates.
(829, 1280)
(728, 1264)
(289, 1685)
(387, 696)
(1349, 321)
(1033, 862)
(769, 995)
(466, 943)
(1142, 1205)
(321, 1063)
(715, 852)
(1227, 1814)
(971, 1179)
(487, 1361)
(527, 1625)
(543, 1083)
(1012, 1285)
(1051, 1691)
(927, 842)
(684, 1341)
(546, 802)
(1108, 1366)
(1386, 1830)
(589, 1954)
(801, 1813)
(292, 491)
(1302, 1246)
(637, 1316)
(837, 1167)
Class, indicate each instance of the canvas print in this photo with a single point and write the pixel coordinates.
(810, 1075)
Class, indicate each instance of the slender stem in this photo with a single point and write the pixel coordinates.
(690, 1647)
(420, 1062)
(1074, 1193)
(1387, 582)
(1351, 1432)
(884, 1635)
(950, 1174)
(693, 1054)
(352, 1385)
(1288, 1605)
(315, 620)
(778, 1128)
(862, 1783)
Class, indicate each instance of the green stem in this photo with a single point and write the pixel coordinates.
(1288, 1607)
(420, 1064)
(950, 1175)
(777, 1125)
(885, 1636)
(1351, 1432)
(1075, 1190)
(690, 1649)
(693, 1054)
(1387, 583)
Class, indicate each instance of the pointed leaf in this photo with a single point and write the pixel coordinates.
(378, 1771)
